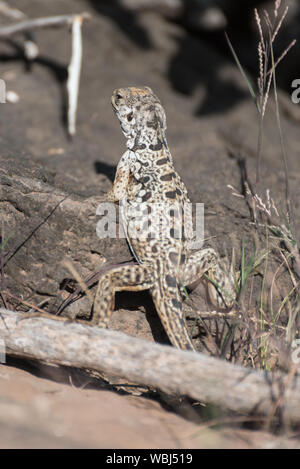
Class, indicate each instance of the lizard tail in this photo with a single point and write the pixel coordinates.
(167, 299)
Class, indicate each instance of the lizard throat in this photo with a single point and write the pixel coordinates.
(148, 143)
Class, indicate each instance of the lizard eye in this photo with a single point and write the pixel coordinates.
(130, 116)
(118, 97)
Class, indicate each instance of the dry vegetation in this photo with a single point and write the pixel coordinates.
(272, 325)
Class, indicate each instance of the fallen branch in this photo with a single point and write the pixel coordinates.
(74, 68)
(38, 23)
(10, 12)
(203, 378)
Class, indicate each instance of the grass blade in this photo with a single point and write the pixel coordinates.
(247, 80)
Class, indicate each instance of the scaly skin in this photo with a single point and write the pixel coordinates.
(146, 181)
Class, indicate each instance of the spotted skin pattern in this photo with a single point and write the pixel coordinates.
(146, 177)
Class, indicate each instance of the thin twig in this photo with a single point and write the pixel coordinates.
(217, 422)
(38, 23)
(74, 68)
(21, 243)
(10, 12)
(74, 73)
(2, 277)
(87, 282)
(79, 280)
(26, 303)
(3, 299)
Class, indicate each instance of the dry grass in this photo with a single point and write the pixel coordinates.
(269, 288)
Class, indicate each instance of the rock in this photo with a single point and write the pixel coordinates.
(42, 226)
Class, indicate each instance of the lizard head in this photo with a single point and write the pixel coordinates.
(142, 117)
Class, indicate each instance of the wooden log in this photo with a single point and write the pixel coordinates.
(201, 377)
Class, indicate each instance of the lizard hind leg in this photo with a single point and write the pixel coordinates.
(220, 282)
(168, 302)
(130, 277)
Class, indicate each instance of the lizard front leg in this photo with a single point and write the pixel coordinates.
(124, 277)
(120, 184)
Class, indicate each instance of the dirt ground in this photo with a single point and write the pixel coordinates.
(62, 410)
(212, 133)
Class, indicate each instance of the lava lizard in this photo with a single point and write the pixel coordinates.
(146, 180)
